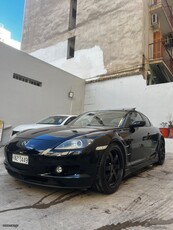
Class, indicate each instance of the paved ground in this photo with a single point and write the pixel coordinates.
(144, 201)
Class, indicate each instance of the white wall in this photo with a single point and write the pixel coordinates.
(155, 101)
(86, 63)
(22, 102)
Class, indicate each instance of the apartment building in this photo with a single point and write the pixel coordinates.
(161, 41)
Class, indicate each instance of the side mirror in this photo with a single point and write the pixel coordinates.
(136, 124)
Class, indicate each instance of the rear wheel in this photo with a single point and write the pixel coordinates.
(161, 153)
(110, 170)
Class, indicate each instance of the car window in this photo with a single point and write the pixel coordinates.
(131, 118)
(147, 121)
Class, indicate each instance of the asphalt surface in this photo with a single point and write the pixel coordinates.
(143, 201)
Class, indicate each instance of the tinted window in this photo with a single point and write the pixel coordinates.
(148, 123)
(132, 117)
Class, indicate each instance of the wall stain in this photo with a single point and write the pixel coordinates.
(40, 205)
(131, 223)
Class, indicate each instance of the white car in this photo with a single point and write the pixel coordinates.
(57, 120)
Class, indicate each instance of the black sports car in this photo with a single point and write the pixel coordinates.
(98, 149)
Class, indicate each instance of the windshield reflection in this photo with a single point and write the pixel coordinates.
(100, 118)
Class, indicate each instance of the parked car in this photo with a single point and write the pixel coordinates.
(98, 149)
(57, 120)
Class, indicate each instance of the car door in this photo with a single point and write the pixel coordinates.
(138, 139)
(152, 137)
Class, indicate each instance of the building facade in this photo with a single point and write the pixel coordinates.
(102, 38)
(123, 50)
(160, 53)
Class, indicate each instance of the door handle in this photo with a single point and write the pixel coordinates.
(147, 137)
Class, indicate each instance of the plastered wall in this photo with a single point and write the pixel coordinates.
(132, 92)
(109, 35)
(22, 102)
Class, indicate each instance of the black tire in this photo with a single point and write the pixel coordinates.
(161, 152)
(110, 170)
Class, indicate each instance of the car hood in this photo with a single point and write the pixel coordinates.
(21, 128)
(63, 132)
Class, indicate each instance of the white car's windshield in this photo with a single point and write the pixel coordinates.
(54, 120)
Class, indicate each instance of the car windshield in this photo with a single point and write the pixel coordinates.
(53, 120)
(100, 118)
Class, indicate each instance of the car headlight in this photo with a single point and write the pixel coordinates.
(72, 146)
(78, 143)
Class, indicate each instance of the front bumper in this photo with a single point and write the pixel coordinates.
(73, 181)
(79, 171)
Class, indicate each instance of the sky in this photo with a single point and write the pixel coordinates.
(11, 16)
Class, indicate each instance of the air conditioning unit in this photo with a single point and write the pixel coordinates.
(154, 19)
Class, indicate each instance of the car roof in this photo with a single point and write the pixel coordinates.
(64, 115)
(104, 110)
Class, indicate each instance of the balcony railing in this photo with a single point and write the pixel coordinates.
(159, 52)
(167, 8)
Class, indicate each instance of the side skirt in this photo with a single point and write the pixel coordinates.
(133, 169)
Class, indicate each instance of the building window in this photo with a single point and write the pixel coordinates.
(71, 48)
(27, 80)
(73, 13)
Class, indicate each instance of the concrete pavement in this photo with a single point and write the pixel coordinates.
(144, 201)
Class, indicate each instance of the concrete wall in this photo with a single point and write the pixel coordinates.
(25, 103)
(109, 35)
(44, 22)
(116, 27)
(132, 92)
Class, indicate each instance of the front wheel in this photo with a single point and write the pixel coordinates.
(110, 170)
(161, 153)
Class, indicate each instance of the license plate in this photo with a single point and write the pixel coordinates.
(20, 159)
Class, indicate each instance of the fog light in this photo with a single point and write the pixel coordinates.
(58, 169)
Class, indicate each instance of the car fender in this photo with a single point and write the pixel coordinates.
(120, 142)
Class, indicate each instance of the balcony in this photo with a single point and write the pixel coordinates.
(161, 61)
(163, 8)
